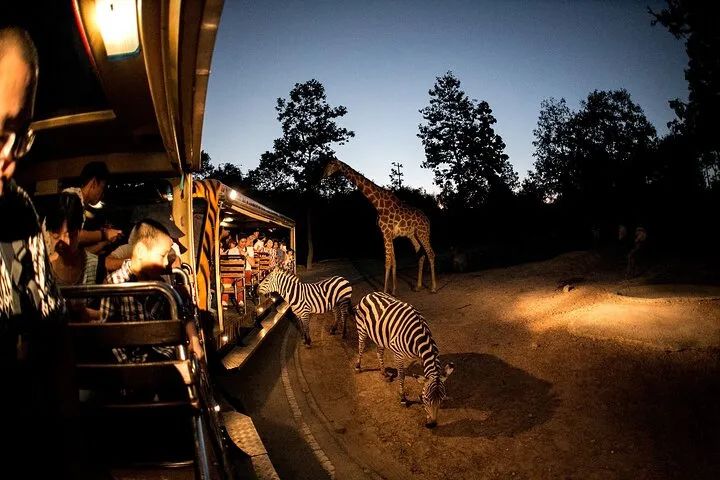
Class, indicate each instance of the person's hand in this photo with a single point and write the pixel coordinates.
(196, 347)
(111, 234)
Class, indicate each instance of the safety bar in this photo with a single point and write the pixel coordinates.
(126, 289)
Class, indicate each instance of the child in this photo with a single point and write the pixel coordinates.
(149, 261)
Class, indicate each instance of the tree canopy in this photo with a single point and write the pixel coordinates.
(596, 156)
(461, 147)
(309, 133)
(697, 23)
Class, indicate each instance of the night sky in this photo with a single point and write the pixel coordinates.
(380, 58)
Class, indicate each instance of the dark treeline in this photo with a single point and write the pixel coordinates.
(595, 169)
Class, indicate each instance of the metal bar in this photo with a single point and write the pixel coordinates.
(126, 289)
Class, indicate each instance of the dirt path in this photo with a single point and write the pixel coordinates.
(548, 384)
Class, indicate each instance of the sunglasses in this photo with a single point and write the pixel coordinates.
(16, 144)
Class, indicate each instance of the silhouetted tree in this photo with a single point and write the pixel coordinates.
(594, 158)
(272, 174)
(697, 23)
(206, 166)
(230, 174)
(309, 131)
(461, 147)
(396, 175)
(555, 145)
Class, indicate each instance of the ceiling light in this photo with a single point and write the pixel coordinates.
(117, 20)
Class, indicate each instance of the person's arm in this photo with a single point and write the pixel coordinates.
(195, 345)
(112, 263)
(89, 237)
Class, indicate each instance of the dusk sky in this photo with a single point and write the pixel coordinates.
(380, 58)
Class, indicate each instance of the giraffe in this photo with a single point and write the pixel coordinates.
(395, 219)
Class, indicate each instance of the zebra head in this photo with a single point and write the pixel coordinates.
(269, 283)
(433, 393)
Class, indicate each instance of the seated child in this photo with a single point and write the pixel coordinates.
(151, 250)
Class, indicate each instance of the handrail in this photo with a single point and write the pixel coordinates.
(125, 289)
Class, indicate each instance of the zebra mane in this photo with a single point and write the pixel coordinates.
(284, 273)
(435, 390)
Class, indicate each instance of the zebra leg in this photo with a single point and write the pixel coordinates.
(346, 312)
(305, 321)
(401, 376)
(337, 313)
(381, 358)
(361, 348)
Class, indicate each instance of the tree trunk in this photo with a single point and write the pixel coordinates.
(308, 263)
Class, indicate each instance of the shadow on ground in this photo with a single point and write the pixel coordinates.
(508, 399)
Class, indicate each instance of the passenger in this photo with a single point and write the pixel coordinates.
(259, 245)
(271, 252)
(71, 264)
(279, 254)
(233, 247)
(289, 263)
(228, 281)
(31, 308)
(149, 261)
(116, 258)
(93, 180)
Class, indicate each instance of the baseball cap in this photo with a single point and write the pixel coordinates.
(161, 216)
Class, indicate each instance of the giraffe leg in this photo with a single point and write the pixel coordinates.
(389, 261)
(425, 241)
(400, 362)
(381, 359)
(421, 261)
(361, 348)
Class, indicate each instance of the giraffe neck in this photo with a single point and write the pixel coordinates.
(371, 191)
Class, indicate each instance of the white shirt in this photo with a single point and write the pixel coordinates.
(122, 252)
(250, 252)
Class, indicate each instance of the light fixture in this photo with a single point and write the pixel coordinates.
(233, 194)
(225, 338)
(117, 20)
(216, 408)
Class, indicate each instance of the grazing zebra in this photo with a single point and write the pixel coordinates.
(305, 298)
(396, 325)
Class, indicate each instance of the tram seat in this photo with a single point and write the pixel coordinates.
(232, 268)
(146, 414)
(262, 266)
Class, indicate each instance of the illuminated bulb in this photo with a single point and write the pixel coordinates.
(233, 194)
(216, 408)
(117, 20)
(225, 338)
(260, 310)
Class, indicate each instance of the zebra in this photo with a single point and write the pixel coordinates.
(396, 325)
(305, 298)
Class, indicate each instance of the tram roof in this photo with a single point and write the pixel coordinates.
(139, 113)
(231, 198)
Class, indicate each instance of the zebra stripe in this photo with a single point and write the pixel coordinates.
(305, 298)
(396, 325)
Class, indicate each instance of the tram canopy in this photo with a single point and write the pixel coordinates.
(140, 111)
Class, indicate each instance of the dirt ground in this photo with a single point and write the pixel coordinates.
(549, 383)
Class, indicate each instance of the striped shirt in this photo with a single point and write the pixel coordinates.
(132, 309)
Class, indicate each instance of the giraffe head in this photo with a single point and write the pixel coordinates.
(433, 393)
(332, 167)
